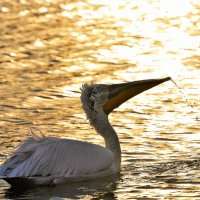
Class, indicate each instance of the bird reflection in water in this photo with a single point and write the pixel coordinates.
(98, 188)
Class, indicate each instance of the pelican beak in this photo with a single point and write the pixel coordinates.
(119, 93)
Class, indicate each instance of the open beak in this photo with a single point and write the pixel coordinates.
(119, 93)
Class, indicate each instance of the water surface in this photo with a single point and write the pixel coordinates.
(49, 48)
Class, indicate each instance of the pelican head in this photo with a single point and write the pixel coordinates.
(99, 100)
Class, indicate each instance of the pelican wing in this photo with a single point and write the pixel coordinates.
(49, 156)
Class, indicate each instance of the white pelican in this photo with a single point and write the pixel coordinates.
(41, 160)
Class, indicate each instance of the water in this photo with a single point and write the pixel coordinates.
(49, 48)
(190, 104)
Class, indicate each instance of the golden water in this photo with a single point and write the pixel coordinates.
(48, 48)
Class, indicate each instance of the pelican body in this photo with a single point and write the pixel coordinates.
(42, 160)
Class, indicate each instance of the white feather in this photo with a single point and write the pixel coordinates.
(44, 160)
(57, 157)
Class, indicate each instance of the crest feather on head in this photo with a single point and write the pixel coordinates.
(93, 97)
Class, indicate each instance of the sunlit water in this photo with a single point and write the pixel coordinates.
(48, 48)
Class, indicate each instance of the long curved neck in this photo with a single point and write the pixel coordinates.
(92, 104)
(105, 129)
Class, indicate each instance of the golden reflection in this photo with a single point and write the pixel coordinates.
(71, 90)
(23, 1)
(49, 48)
(24, 12)
(13, 54)
(5, 9)
(38, 43)
(66, 14)
(43, 9)
(67, 6)
(74, 68)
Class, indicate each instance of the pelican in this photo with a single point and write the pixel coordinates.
(42, 160)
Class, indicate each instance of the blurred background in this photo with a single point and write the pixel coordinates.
(49, 48)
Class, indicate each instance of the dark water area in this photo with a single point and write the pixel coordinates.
(49, 48)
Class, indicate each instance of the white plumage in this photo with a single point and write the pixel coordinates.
(57, 158)
(41, 160)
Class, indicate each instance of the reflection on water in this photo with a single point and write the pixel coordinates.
(48, 48)
(98, 189)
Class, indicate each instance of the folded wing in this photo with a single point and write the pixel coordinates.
(50, 156)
